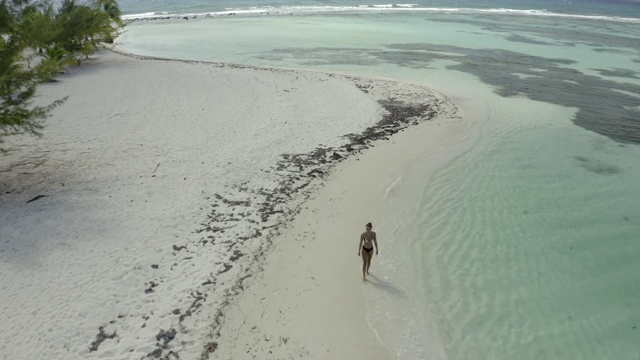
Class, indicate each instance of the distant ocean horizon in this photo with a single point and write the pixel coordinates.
(524, 246)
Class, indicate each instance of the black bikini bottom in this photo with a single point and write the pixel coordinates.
(367, 250)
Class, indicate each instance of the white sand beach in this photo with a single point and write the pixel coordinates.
(201, 211)
(309, 300)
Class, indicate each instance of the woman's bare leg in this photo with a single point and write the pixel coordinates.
(364, 264)
(367, 261)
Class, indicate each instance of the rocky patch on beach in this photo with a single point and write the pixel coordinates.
(300, 175)
(240, 224)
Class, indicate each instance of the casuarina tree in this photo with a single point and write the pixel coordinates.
(36, 43)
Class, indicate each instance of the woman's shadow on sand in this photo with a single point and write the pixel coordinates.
(384, 285)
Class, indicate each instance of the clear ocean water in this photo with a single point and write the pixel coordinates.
(527, 244)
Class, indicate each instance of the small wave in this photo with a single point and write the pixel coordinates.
(304, 10)
(393, 186)
(544, 12)
(138, 16)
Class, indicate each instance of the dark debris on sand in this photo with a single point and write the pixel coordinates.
(100, 338)
(262, 213)
(298, 172)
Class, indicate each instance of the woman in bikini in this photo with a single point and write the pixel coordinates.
(367, 241)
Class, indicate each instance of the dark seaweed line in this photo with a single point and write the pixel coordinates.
(300, 175)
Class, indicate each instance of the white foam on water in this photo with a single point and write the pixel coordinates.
(303, 10)
(139, 16)
(393, 186)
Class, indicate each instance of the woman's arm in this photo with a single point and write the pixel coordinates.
(375, 242)
(360, 245)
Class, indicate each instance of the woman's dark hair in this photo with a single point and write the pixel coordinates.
(369, 225)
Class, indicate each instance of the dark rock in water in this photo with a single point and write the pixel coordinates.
(604, 106)
(336, 156)
(154, 266)
(598, 167)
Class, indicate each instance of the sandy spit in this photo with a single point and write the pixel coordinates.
(164, 189)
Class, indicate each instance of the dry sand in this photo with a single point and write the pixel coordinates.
(308, 302)
(175, 220)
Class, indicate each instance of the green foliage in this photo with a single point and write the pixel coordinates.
(81, 27)
(33, 33)
(36, 28)
(17, 87)
(111, 8)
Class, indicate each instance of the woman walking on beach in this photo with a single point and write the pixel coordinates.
(367, 241)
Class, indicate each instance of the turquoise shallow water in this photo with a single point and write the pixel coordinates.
(526, 245)
(529, 246)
